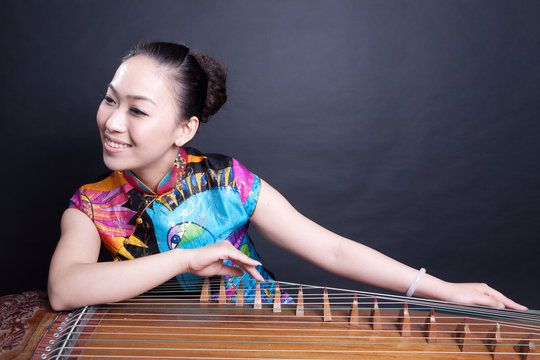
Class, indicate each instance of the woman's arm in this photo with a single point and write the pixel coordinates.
(277, 220)
(77, 279)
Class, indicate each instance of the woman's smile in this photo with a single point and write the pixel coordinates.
(113, 145)
(141, 141)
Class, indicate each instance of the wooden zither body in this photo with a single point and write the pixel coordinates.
(168, 323)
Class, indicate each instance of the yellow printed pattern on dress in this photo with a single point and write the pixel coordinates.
(197, 183)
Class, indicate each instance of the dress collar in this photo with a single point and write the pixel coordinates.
(166, 184)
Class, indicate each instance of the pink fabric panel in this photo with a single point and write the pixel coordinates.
(244, 180)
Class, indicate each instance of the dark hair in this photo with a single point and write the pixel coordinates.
(200, 81)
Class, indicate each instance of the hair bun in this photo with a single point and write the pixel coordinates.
(216, 93)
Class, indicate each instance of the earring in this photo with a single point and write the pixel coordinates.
(179, 162)
(180, 165)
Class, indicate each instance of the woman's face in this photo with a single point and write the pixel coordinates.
(137, 119)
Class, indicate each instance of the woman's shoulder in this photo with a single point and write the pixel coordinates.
(201, 162)
(103, 190)
(205, 161)
(196, 155)
(223, 170)
(106, 181)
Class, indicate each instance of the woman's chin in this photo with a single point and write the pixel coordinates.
(113, 164)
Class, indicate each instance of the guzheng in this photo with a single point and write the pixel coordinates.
(321, 323)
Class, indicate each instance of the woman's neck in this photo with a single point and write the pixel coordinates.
(152, 176)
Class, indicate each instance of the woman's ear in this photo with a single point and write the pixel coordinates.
(186, 131)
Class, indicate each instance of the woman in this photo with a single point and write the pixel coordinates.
(168, 208)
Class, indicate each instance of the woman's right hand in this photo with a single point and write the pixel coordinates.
(76, 278)
(207, 261)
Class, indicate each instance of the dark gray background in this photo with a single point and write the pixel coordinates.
(411, 126)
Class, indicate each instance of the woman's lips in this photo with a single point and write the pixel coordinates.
(114, 145)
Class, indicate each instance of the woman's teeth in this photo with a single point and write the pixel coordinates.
(116, 145)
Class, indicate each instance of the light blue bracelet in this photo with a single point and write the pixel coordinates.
(414, 284)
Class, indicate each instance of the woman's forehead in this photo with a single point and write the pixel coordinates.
(141, 76)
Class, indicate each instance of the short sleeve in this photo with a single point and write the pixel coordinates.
(248, 186)
(78, 201)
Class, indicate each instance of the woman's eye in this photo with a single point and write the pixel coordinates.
(136, 111)
(108, 99)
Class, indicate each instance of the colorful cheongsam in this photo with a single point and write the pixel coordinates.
(209, 200)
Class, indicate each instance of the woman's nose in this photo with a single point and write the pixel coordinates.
(116, 121)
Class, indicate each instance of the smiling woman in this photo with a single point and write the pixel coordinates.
(173, 211)
(137, 109)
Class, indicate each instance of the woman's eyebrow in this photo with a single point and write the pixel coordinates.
(139, 97)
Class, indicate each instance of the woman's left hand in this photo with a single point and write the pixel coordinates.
(479, 294)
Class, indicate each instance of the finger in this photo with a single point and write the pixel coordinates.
(252, 270)
(504, 300)
(514, 305)
(227, 270)
(240, 258)
(244, 261)
(487, 300)
(235, 271)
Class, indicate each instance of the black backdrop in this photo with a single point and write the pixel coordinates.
(411, 126)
